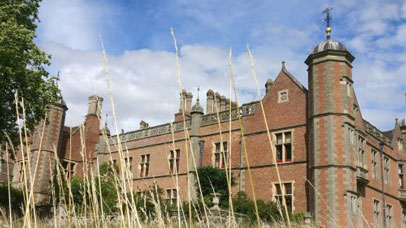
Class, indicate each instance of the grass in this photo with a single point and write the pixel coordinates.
(129, 213)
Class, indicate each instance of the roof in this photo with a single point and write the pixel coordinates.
(329, 44)
(292, 77)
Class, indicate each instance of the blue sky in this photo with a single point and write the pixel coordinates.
(137, 39)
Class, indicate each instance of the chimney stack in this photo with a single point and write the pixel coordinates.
(268, 85)
(95, 105)
(143, 125)
(182, 101)
(210, 101)
(189, 97)
(222, 103)
(217, 102)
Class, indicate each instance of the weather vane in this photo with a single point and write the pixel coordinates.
(328, 20)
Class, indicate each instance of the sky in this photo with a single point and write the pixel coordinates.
(141, 57)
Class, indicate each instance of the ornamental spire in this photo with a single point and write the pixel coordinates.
(328, 21)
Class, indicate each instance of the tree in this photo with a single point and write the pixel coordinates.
(22, 66)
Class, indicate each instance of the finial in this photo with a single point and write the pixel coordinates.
(198, 91)
(58, 78)
(283, 64)
(328, 20)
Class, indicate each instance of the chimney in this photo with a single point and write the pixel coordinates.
(234, 105)
(182, 100)
(227, 104)
(216, 102)
(268, 85)
(210, 101)
(222, 103)
(95, 105)
(189, 97)
(143, 125)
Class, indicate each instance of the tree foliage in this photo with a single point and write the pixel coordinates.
(212, 179)
(22, 66)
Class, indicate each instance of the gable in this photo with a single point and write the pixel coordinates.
(286, 111)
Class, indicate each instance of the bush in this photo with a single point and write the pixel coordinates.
(150, 202)
(17, 199)
(79, 190)
(211, 178)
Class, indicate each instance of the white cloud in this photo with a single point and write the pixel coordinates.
(144, 82)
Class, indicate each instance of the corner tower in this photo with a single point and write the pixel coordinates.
(332, 168)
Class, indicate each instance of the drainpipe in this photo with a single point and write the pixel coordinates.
(381, 145)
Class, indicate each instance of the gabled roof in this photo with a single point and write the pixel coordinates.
(388, 134)
(284, 70)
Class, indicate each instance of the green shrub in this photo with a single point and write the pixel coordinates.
(17, 199)
(211, 178)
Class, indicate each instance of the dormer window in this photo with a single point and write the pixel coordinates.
(400, 144)
(283, 96)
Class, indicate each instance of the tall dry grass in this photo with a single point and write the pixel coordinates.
(65, 213)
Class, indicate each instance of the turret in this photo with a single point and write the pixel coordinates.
(332, 160)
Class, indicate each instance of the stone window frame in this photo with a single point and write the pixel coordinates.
(403, 225)
(72, 169)
(128, 162)
(353, 203)
(374, 163)
(172, 195)
(347, 82)
(389, 215)
(174, 161)
(386, 170)
(21, 169)
(280, 92)
(275, 195)
(401, 175)
(377, 210)
(360, 150)
(275, 143)
(222, 155)
(400, 145)
(144, 165)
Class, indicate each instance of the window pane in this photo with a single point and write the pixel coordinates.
(278, 189)
(288, 188)
(279, 138)
(288, 150)
(279, 156)
(217, 160)
(289, 202)
(217, 147)
(288, 137)
(225, 146)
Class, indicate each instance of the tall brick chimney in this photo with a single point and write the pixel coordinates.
(189, 97)
(210, 101)
(95, 105)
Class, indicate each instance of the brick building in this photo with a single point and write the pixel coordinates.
(333, 163)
